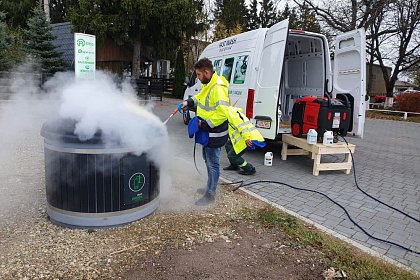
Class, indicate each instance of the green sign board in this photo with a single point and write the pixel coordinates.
(84, 56)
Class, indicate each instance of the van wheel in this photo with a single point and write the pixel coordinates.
(186, 118)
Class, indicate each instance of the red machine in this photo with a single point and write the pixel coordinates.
(321, 114)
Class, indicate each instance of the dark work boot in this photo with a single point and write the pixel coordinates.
(247, 172)
(202, 190)
(231, 167)
(205, 200)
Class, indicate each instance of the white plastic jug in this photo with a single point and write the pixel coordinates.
(328, 138)
(311, 137)
(268, 159)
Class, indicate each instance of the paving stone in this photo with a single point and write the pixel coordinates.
(345, 231)
(386, 167)
(360, 236)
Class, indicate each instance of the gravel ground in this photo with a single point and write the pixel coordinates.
(38, 249)
(34, 248)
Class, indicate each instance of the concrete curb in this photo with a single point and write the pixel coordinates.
(328, 231)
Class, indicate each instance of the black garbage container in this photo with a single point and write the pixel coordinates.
(91, 184)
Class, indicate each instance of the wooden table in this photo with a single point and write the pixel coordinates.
(316, 151)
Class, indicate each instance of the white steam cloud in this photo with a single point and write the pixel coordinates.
(100, 105)
(95, 105)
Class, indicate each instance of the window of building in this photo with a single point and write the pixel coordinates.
(240, 69)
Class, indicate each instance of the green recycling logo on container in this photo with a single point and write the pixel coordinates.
(136, 182)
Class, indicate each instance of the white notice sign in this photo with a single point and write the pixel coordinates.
(84, 56)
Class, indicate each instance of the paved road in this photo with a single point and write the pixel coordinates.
(387, 167)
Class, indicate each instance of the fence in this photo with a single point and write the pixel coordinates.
(25, 80)
(146, 87)
(149, 88)
(405, 114)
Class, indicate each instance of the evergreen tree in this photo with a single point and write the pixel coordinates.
(307, 20)
(59, 10)
(291, 14)
(161, 24)
(221, 32)
(17, 11)
(302, 18)
(253, 20)
(179, 74)
(16, 52)
(231, 13)
(268, 13)
(4, 43)
(40, 45)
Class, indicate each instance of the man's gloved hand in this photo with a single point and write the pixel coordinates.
(180, 106)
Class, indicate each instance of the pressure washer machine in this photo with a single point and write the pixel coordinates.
(322, 114)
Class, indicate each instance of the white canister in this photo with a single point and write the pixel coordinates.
(311, 137)
(268, 159)
(328, 138)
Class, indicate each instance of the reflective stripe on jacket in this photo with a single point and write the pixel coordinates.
(241, 129)
(212, 105)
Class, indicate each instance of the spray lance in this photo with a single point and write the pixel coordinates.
(170, 116)
(180, 107)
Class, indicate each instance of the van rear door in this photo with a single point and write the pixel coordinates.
(350, 75)
(268, 81)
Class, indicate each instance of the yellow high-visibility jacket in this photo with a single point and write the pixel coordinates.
(241, 129)
(212, 106)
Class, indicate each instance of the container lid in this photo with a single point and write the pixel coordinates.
(62, 131)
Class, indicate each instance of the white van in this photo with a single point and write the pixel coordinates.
(269, 68)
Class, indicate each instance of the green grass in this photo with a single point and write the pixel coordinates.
(392, 117)
(338, 254)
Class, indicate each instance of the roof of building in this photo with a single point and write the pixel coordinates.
(403, 84)
(64, 40)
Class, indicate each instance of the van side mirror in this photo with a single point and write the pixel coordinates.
(187, 81)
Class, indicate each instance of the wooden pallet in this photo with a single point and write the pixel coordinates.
(316, 151)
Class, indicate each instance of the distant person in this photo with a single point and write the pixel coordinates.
(242, 135)
(212, 109)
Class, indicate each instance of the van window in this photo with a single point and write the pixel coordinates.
(227, 68)
(217, 65)
(193, 79)
(240, 69)
(346, 43)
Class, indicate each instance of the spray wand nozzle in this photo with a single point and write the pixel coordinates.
(170, 116)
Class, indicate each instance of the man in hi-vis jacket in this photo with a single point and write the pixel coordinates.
(212, 109)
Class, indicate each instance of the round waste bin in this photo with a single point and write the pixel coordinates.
(91, 184)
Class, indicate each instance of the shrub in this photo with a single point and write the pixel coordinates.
(409, 102)
(379, 98)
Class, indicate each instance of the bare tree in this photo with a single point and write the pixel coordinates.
(404, 45)
(344, 16)
(392, 27)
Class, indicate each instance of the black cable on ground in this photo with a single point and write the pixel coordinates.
(241, 185)
(365, 193)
